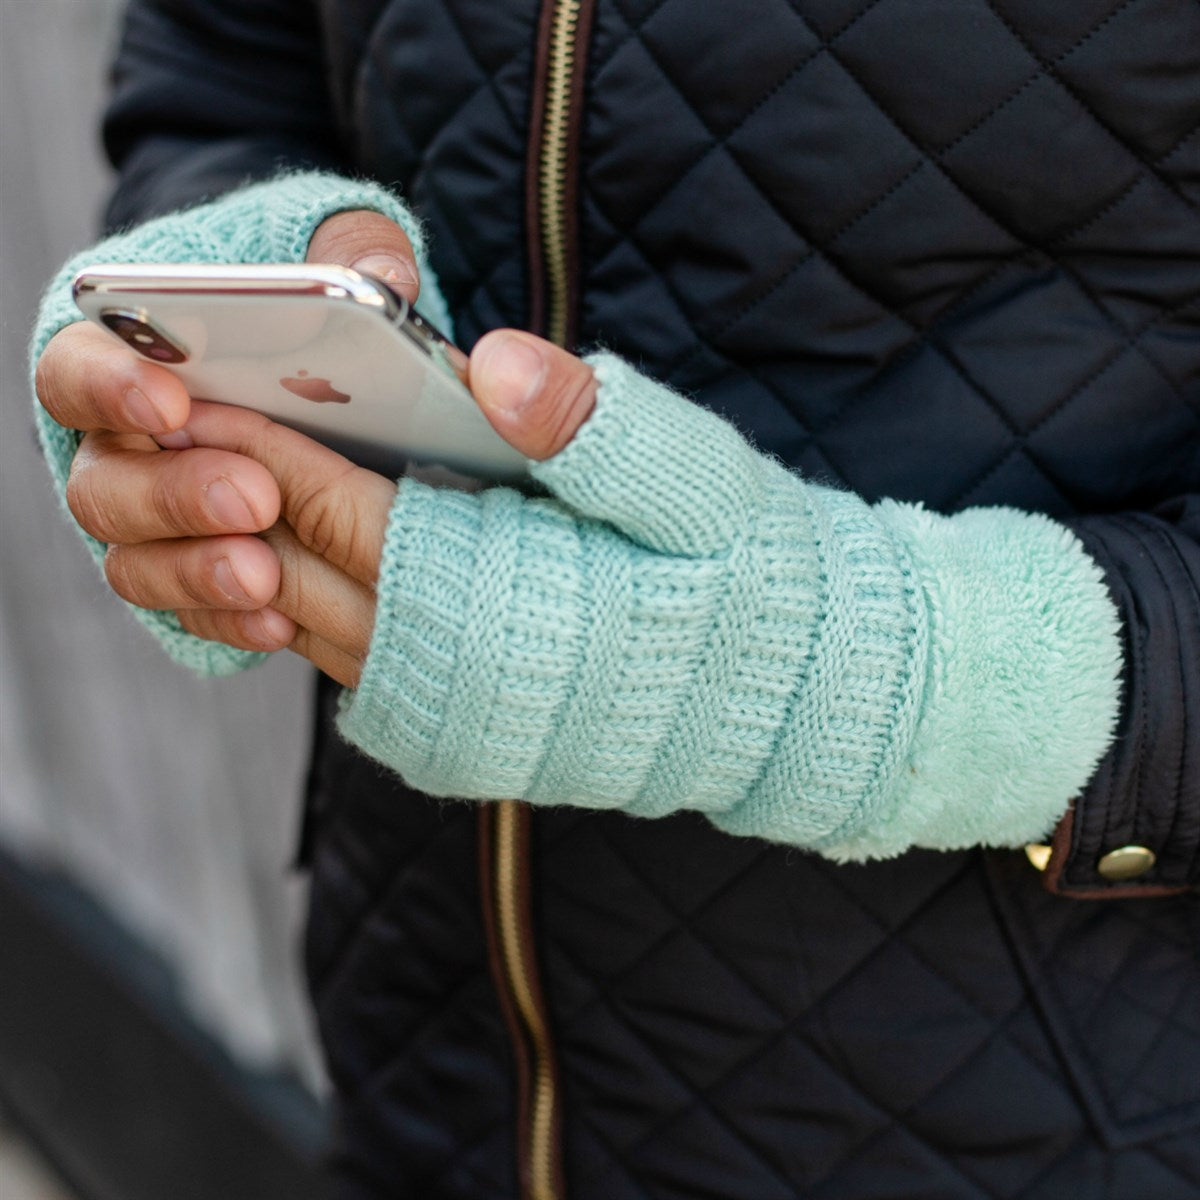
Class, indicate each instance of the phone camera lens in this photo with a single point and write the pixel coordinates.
(141, 335)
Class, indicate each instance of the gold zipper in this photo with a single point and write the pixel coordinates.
(552, 179)
(520, 973)
(563, 31)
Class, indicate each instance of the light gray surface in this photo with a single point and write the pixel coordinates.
(23, 1173)
(173, 799)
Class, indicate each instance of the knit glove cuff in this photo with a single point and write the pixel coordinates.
(685, 624)
(263, 223)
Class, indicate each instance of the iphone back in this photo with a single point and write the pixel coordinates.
(323, 349)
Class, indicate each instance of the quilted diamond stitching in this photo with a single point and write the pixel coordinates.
(742, 313)
(1186, 1174)
(685, 922)
(1064, 944)
(634, 30)
(1067, 400)
(1183, 141)
(1114, 1090)
(601, 1174)
(379, 1080)
(489, 76)
(983, 208)
(700, 1095)
(704, 346)
(1133, 338)
(1048, 65)
(672, 291)
(631, 239)
(1021, 448)
(483, 1178)
(478, 280)
(697, 1096)
(996, 408)
(1130, 337)
(1051, 1166)
(633, 26)
(376, 903)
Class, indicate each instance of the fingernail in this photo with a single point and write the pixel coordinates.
(508, 373)
(268, 628)
(392, 270)
(179, 440)
(142, 412)
(228, 505)
(228, 582)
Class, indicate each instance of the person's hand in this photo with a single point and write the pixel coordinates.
(333, 515)
(180, 528)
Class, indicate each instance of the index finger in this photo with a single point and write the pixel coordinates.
(87, 380)
(335, 508)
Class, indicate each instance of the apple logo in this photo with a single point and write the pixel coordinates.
(321, 391)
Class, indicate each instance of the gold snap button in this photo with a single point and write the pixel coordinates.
(1038, 854)
(1126, 862)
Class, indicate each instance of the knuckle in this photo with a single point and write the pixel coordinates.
(77, 493)
(167, 504)
(117, 570)
(51, 365)
(43, 383)
(81, 382)
(324, 517)
(87, 503)
(291, 592)
(175, 493)
(184, 582)
(336, 235)
(349, 236)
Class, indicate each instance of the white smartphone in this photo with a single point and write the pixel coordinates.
(324, 349)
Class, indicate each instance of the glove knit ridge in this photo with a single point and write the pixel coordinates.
(684, 624)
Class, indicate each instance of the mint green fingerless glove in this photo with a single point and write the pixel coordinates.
(687, 625)
(262, 223)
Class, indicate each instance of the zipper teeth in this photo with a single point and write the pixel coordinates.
(552, 184)
(516, 954)
(541, 1150)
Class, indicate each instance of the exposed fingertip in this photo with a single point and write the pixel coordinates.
(249, 575)
(228, 583)
(230, 508)
(507, 372)
(143, 413)
(394, 270)
(535, 394)
(269, 629)
(180, 439)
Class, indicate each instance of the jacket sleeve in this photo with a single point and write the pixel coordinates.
(210, 94)
(1146, 791)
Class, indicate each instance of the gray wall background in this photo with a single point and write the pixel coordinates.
(173, 800)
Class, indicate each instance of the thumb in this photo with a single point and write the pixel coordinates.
(616, 446)
(369, 242)
(535, 394)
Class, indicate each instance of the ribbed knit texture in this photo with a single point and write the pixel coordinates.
(263, 223)
(685, 624)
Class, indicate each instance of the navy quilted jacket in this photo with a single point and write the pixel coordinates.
(945, 250)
